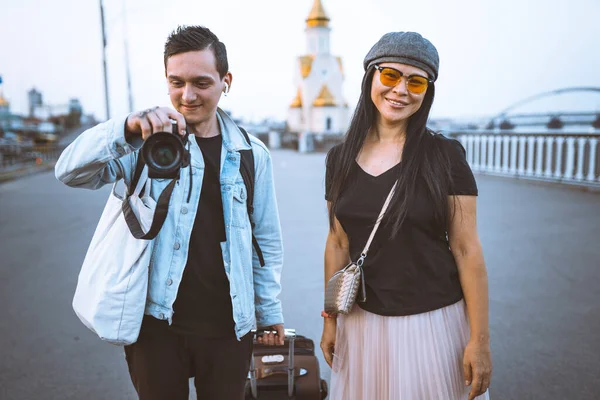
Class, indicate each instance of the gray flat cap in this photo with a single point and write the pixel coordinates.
(406, 48)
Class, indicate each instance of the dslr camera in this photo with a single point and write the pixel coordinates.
(165, 153)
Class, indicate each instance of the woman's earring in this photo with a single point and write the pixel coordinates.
(226, 88)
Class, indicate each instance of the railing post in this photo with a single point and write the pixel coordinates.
(505, 153)
(522, 140)
(513, 154)
(591, 176)
(484, 149)
(549, 143)
(469, 146)
(498, 160)
(476, 153)
(490, 156)
(559, 162)
(570, 166)
(580, 157)
(530, 149)
(539, 170)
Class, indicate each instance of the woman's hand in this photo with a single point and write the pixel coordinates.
(477, 364)
(328, 340)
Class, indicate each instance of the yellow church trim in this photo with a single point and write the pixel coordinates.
(317, 16)
(325, 98)
(306, 65)
(3, 101)
(339, 60)
(297, 102)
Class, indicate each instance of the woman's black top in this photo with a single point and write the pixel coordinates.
(414, 272)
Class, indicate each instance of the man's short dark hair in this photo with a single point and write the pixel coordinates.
(196, 38)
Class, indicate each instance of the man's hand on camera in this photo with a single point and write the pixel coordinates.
(152, 120)
(272, 336)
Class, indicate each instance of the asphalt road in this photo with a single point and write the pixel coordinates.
(541, 244)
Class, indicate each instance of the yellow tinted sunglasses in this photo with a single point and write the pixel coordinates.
(390, 77)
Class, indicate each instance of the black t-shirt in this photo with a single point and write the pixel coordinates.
(203, 304)
(414, 272)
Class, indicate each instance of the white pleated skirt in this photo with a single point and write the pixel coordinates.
(415, 357)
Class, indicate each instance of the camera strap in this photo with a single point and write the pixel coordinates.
(160, 214)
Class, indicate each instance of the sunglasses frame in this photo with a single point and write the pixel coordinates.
(380, 68)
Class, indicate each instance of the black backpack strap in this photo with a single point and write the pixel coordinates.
(247, 172)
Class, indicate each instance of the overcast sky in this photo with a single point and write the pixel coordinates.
(493, 53)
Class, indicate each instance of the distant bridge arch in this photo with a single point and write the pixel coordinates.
(550, 93)
(552, 120)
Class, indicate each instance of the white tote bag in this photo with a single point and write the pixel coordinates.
(111, 290)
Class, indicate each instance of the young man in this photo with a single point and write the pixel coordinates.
(207, 288)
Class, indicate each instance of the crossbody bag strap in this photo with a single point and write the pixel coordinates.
(363, 255)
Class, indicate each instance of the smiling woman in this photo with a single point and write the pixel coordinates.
(423, 271)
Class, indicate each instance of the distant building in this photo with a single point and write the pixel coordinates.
(319, 107)
(75, 106)
(4, 104)
(46, 111)
(35, 100)
(6, 118)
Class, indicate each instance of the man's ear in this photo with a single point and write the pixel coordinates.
(227, 79)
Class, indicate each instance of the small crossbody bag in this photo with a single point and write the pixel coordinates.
(343, 287)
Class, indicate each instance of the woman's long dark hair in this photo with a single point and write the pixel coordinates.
(423, 160)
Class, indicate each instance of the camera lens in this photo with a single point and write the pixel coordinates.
(164, 155)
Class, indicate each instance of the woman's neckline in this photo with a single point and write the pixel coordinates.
(381, 174)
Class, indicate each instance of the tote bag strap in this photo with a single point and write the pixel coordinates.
(142, 180)
(162, 205)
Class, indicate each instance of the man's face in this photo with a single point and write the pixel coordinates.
(194, 84)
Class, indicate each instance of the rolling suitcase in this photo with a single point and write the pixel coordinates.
(290, 371)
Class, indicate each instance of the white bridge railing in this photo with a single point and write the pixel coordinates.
(567, 158)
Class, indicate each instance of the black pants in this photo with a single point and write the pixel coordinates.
(161, 363)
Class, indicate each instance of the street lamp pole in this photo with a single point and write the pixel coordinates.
(104, 61)
(127, 69)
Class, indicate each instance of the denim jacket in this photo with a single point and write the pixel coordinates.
(101, 155)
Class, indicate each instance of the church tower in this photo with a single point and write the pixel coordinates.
(319, 107)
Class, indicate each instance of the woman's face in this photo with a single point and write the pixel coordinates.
(396, 104)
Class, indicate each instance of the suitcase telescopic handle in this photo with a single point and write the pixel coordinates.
(291, 363)
(290, 334)
(253, 388)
